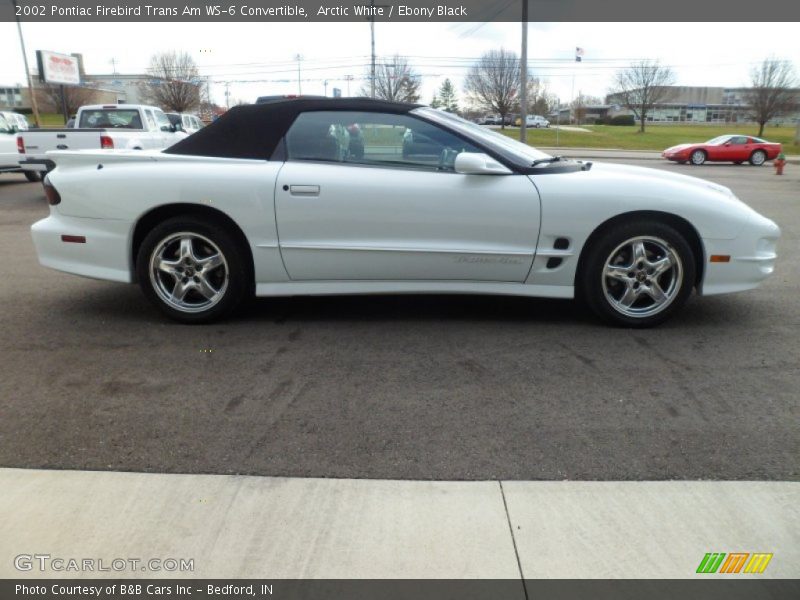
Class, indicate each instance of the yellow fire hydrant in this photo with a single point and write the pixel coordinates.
(779, 163)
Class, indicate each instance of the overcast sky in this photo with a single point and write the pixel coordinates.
(259, 58)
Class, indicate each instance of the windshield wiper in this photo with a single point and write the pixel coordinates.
(542, 161)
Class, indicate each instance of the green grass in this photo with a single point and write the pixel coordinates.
(655, 137)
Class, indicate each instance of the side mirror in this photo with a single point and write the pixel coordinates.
(474, 163)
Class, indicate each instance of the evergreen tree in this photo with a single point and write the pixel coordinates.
(447, 96)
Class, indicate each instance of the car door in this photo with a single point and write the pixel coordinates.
(739, 148)
(379, 215)
(9, 155)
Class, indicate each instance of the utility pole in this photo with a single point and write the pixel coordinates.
(31, 91)
(113, 62)
(325, 83)
(348, 79)
(227, 94)
(299, 59)
(523, 77)
(372, 33)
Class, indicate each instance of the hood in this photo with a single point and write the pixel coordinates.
(654, 175)
(680, 147)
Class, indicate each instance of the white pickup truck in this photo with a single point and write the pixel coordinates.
(9, 148)
(100, 126)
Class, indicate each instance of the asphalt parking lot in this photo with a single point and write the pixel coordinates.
(436, 387)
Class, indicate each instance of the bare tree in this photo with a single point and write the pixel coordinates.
(772, 92)
(493, 83)
(544, 103)
(49, 96)
(174, 86)
(395, 80)
(580, 103)
(641, 86)
(536, 91)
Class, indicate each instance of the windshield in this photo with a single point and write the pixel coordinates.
(718, 141)
(117, 118)
(516, 151)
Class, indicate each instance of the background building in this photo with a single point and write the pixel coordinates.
(687, 104)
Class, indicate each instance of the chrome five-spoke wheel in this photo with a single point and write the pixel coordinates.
(189, 272)
(637, 273)
(642, 276)
(194, 269)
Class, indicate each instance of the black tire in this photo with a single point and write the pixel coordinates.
(758, 158)
(231, 279)
(33, 176)
(698, 157)
(599, 290)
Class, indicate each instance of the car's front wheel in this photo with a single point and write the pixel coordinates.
(33, 176)
(758, 157)
(698, 157)
(193, 270)
(638, 274)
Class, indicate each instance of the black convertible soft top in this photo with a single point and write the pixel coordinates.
(255, 130)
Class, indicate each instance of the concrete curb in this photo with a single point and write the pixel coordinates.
(251, 527)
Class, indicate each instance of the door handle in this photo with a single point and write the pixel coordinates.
(304, 190)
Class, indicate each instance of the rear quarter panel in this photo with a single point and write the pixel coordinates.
(127, 190)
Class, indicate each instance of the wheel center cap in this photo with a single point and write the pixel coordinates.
(641, 276)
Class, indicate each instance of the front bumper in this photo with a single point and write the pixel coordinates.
(104, 255)
(676, 156)
(752, 258)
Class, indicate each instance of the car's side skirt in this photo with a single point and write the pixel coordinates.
(333, 288)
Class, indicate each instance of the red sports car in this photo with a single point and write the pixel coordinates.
(725, 148)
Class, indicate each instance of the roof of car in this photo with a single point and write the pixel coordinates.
(255, 130)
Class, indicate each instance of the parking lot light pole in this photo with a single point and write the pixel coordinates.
(299, 59)
(31, 91)
(523, 77)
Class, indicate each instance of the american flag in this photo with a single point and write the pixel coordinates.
(578, 54)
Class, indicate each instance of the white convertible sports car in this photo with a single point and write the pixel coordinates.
(357, 196)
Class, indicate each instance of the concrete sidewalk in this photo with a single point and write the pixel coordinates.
(238, 527)
(620, 154)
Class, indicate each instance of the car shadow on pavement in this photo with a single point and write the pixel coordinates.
(126, 306)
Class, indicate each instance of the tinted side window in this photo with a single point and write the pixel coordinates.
(373, 139)
(161, 120)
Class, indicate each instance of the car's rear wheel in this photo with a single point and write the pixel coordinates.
(758, 157)
(193, 270)
(638, 274)
(698, 157)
